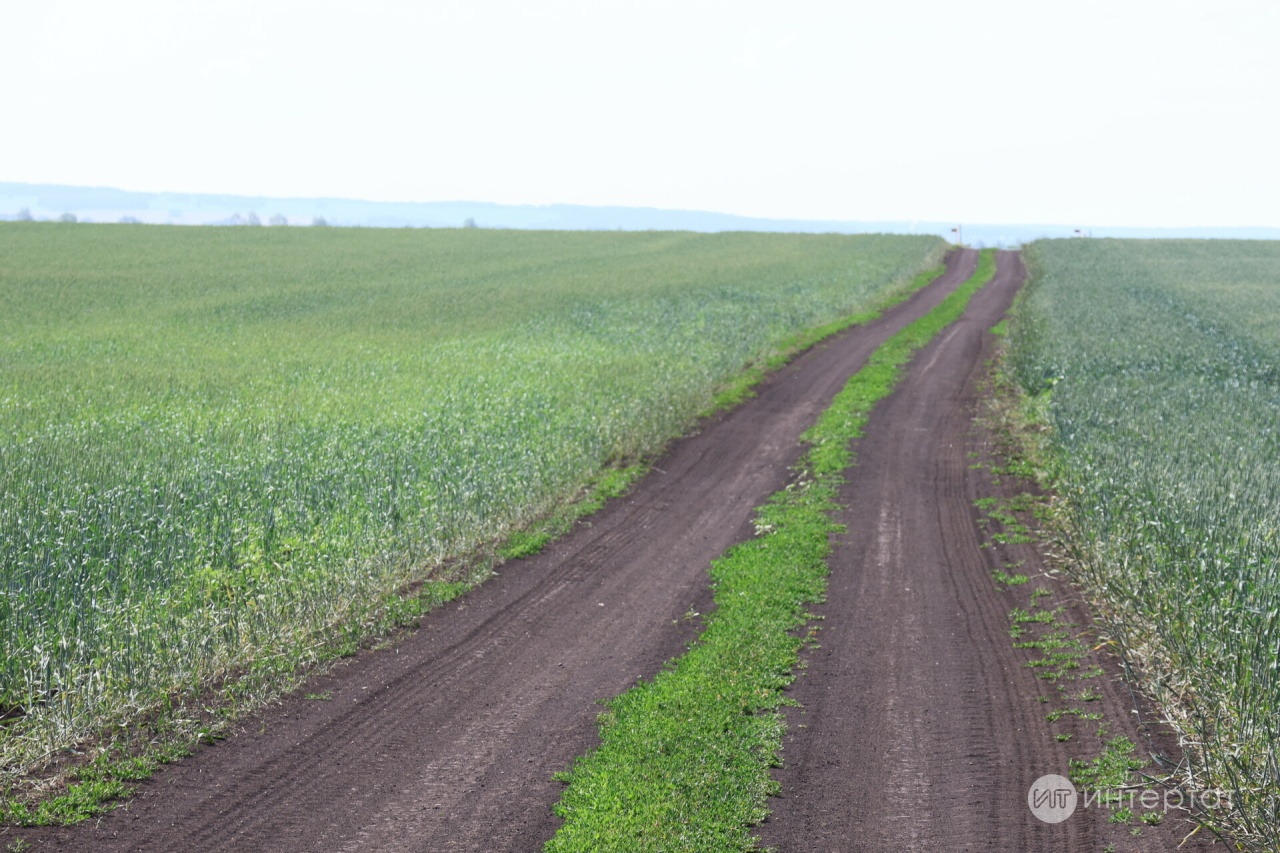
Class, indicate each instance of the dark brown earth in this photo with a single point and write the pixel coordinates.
(919, 727)
(449, 741)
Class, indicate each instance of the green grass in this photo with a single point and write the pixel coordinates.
(1153, 366)
(684, 758)
(92, 788)
(226, 453)
(1111, 770)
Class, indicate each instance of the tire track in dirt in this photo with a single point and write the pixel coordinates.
(449, 741)
(918, 727)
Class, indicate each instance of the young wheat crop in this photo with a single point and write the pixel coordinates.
(217, 444)
(1160, 361)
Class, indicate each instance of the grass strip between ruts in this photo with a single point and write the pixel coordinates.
(684, 759)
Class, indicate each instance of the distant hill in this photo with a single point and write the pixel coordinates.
(102, 204)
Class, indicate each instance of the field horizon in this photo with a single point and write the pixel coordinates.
(103, 204)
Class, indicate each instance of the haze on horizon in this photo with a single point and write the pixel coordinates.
(1131, 114)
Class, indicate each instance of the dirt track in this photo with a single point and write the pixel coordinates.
(449, 741)
(921, 725)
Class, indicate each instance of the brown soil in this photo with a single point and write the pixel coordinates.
(919, 726)
(449, 741)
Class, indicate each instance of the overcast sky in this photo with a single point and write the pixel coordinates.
(1123, 112)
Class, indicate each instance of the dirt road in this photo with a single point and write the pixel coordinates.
(920, 727)
(450, 740)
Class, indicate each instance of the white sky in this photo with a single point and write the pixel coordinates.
(1123, 112)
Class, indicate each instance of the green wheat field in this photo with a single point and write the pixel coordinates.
(1158, 366)
(217, 444)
